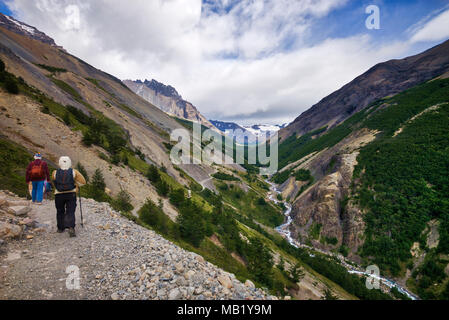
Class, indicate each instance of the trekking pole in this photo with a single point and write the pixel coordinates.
(81, 208)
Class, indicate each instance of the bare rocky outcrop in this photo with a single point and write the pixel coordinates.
(320, 207)
(15, 222)
(320, 214)
(291, 188)
(167, 99)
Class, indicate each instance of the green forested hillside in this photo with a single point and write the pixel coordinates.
(405, 182)
(401, 181)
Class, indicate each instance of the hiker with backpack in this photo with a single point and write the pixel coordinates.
(66, 181)
(36, 175)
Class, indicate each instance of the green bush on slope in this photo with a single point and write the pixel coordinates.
(14, 161)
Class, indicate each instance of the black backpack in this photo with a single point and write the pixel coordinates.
(64, 180)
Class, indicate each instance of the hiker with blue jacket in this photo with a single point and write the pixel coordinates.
(36, 175)
(66, 181)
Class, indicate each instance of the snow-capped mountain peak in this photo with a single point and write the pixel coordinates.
(251, 132)
(21, 25)
(18, 27)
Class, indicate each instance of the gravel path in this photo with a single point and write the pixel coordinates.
(116, 259)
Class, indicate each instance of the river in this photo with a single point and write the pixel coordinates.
(284, 230)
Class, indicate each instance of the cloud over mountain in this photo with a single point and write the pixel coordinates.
(232, 59)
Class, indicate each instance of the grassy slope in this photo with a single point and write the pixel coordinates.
(14, 160)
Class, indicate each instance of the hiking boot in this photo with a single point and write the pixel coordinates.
(72, 232)
(60, 230)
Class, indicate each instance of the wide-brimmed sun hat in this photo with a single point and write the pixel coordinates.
(65, 163)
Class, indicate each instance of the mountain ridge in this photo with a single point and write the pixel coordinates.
(166, 98)
(383, 79)
(64, 106)
(14, 25)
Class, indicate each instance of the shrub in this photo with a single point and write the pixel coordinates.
(45, 110)
(162, 188)
(14, 160)
(344, 250)
(11, 86)
(153, 174)
(83, 171)
(98, 186)
(140, 154)
(177, 197)
(115, 159)
(225, 176)
(66, 118)
(260, 262)
(328, 295)
(296, 273)
(223, 187)
(331, 240)
(152, 215)
(303, 175)
(51, 68)
(122, 202)
(261, 201)
(191, 222)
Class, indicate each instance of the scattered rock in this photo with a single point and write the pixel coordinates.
(189, 274)
(175, 294)
(179, 267)
(8, 230)
(225, 281)
(249, 284)
(115, 296)
(27, 222)
(15, 255)
(19, 210)
(3, 203)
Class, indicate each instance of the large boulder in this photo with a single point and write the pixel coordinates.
(249, 284)
(3, 203)
(225, 281)
(19, 210)
(10, 231)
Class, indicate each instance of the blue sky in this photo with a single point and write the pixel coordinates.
(258, 61)
(4, 9)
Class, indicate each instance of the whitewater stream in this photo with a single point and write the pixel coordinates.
(284, 230)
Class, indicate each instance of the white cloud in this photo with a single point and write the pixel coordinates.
(434, 30)
(227, 58)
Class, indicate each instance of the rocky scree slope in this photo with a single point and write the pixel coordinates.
(117, 259)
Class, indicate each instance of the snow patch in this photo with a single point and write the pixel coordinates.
(22, 26)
